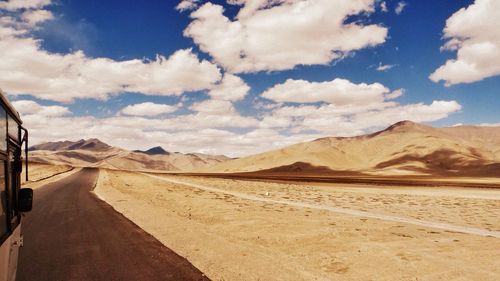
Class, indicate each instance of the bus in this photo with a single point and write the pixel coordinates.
(13, 200)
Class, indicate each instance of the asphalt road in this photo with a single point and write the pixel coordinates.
(72, 235)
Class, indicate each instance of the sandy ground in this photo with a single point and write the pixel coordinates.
(41, 174)
(233, 238)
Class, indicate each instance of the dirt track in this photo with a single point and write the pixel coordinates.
(72, 235)
(443, 226)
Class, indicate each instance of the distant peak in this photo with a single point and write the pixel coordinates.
(90, 144)
(403, 125)
(157, 150)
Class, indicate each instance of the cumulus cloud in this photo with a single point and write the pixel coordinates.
(474, 32)
(186, 5)
(354, 120)
(400, 7)
(13, 5)
(395, 94)
(345, 108)
(148, 109)
(265, 35)
(195, 132)
(231, 88)
(28, 69)
(279, 35)
(338, 92)
(28, 107)
(208, 128)
(34, 17)
(213, 107)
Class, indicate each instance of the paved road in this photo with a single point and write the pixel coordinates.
(72, 235)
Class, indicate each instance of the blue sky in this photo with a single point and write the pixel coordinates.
(282, 91)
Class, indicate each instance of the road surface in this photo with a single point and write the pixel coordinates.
(72, 235)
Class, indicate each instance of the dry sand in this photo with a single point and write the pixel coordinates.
(232, 238)
(41, 174)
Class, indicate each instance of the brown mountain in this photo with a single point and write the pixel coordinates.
(95, 153)
(405, 148)
(90, 144)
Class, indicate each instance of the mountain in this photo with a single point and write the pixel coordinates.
(405, 148)
(95, 153)
(157, 150)
(90, 144)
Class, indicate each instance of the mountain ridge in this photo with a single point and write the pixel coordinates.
(95, 153)
(404, 148)
(92, 143)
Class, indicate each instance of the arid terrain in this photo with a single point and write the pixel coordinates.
(405, 148)
(94, 153)
(40, 174)
(251, 230)
(410, 202)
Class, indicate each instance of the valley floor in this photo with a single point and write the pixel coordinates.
(250, 230)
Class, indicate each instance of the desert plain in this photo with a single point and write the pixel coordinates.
(235, 229)
(410, 202)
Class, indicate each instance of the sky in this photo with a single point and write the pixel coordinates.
(239, 77)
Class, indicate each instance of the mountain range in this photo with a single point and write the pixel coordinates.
(405, 148)
(95, 153)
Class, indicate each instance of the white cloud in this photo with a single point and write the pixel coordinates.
(34, 17)
(481, 125)
(330, 120)
(265, 35)
(208, 129)
(474, 32)
(490, 124)
(338, 92)
(204, 131)
(400, 7)
(214, 114)
(213, 107)
(28, 107)
(28, 69)
(279, 35)
(186, 5)
(13, 5)
(384, 67)
(231, 88)
(346, 109)
(148, 109)
(395, 94)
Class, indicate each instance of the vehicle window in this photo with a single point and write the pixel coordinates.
(3, 130)
(13, 186)
(13, 128)
(3, 201)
